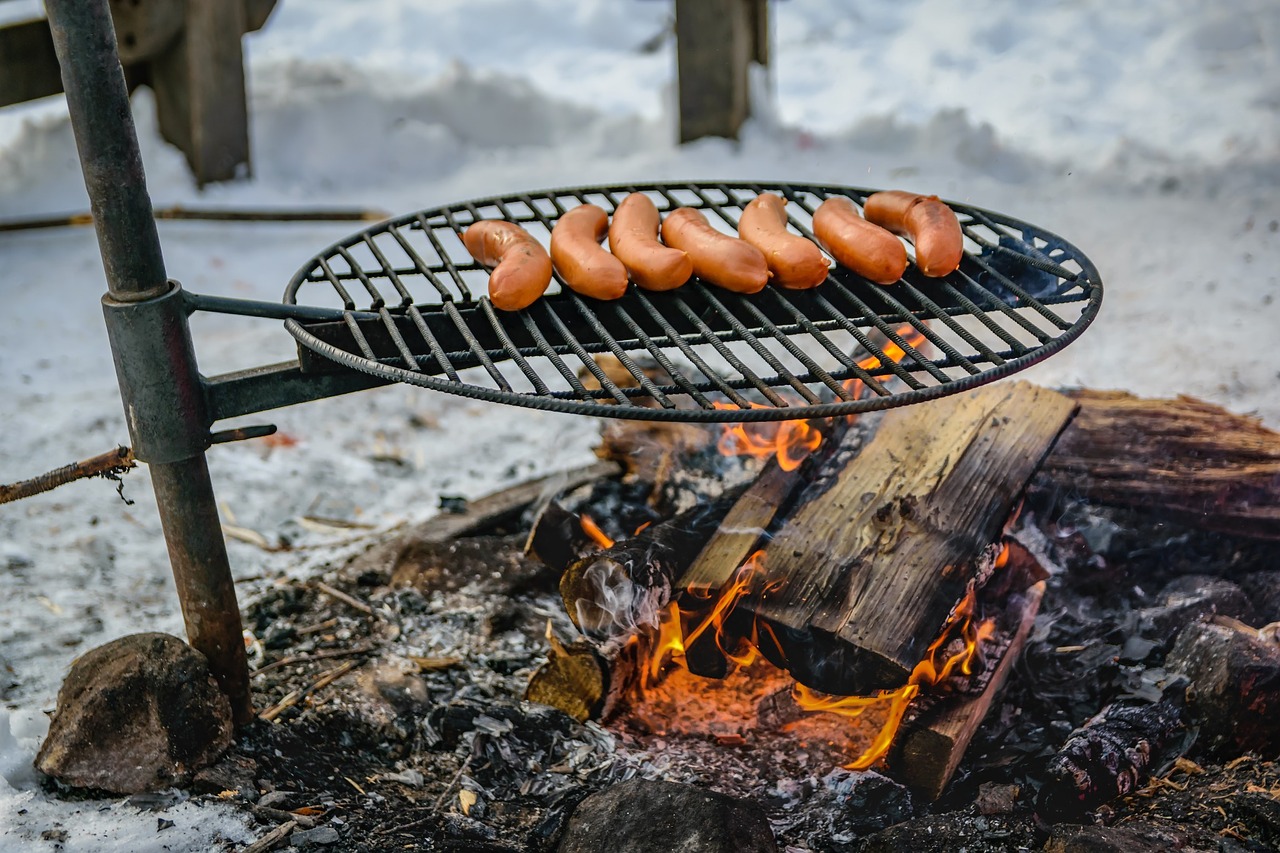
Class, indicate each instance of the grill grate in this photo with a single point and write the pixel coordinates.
(697, 353)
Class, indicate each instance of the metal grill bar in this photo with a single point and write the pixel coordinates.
(438, 326)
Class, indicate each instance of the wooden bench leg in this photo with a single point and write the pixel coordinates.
(199, 83)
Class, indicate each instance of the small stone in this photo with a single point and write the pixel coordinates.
(996, 798)
(140, 713)
(320, 836)
(278, 799)
(659, 817)
(233, 772)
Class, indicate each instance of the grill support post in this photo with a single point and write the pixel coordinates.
(146, 318)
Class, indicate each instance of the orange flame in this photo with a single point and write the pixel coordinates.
(932, 669)
(910, 335)
(790, 442)
(593, 530)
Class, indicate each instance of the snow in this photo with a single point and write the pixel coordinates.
(1145, 134)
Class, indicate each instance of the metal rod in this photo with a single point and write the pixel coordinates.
(85, 41)
(151, 342)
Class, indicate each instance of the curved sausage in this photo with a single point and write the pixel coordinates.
(576, 253)
(795, 262)
(931, 225)
(867, 249)
(633, 239)
(521, 267)
(718, 258)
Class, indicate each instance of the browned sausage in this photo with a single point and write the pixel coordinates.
(867, 249)
(633, 239)
(718, 258)
(931, 225)
(578, 257)
(522, 268)
(794, 261)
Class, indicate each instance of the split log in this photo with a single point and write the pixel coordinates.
(928, 750)
(1185, 459)
(875, 564)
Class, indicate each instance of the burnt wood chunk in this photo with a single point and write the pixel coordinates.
(928, 750)
(872, 567)
(1184, 459)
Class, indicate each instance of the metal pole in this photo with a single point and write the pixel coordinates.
(163, 395)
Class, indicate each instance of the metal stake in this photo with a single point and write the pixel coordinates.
(163, 395)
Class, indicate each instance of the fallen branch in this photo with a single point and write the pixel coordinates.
(208, 215)
(109, 465)
(271, 839)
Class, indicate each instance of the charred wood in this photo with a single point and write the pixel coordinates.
(1235, 673)
(1114, 753)
(929, 749)
(1183, 459)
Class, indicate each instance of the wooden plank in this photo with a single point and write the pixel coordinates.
(28, 65)
(1185, 459)
(927, 752)
(715, 41)
(200, 92)
(873, 566)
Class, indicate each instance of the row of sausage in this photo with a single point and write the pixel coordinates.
(660, 254)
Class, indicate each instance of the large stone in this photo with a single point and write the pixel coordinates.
(1136, 837)
(137, 714)
(665, 817)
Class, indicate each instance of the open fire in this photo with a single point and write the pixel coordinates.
(709, 665)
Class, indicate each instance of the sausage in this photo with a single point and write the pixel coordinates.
(633, 239)
(795, 262)
(931, 225)
(718, 258)
(576, 253)
(521, 267)
(867, 249)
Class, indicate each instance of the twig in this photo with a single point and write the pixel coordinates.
(344, 598)
(296, 696)
(110, 465)
(325, 655)
(208, 215)
(271, 839)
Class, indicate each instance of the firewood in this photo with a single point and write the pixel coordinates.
(928, 750)
(874, 564)
(1114, 753)
(1184, 459)
(1235, 670)
(624, 587)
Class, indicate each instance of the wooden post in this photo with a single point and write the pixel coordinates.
(715, 42)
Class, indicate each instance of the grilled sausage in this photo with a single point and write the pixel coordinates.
(795, 262)
(633, 239)
(578, 257)
(521, 267)
(867, 249)
(931, 225)
(718, 258)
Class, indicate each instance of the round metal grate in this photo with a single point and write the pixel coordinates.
(408, 305)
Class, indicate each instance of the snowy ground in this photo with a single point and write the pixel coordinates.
(1148, 135)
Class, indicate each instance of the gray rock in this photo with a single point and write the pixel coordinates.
(1137, 837)
(320, 836)
(664, 817)
(137, 714)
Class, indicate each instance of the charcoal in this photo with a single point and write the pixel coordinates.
(1263, 589)
(1114, 753)
(1137, 837)
(446, 725)
(1191, 597)
(952, 832)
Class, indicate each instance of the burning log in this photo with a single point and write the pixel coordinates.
(1185, 459)
(930, 747)
(871, 568)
